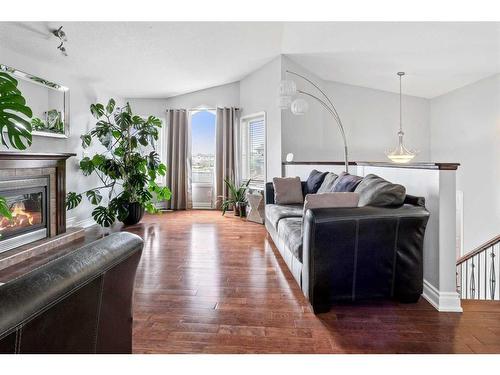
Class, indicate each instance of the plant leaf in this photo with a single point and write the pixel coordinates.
(72, 200)
(97, 110)
(94, 196)
(5, 209)
(110, 106)
(103, 216)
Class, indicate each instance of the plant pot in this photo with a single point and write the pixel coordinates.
(242, 208)
(135, 214)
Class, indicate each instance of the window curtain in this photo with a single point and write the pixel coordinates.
(226, 134)
(178, 159)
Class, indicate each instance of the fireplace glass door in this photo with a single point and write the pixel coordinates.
(28, 205)
(27, 214)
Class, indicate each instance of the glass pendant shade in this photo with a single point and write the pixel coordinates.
(299, 107)
(401, 154)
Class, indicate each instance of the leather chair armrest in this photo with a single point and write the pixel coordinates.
(362, 252)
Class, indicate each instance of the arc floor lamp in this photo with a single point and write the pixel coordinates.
(298, 106)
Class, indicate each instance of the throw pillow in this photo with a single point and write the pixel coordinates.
(287, 190)
(331, 200)
(314, 181)
(346, 183)
(375, 191)
(328, 182)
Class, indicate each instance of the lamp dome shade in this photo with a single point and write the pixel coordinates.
(299, 107)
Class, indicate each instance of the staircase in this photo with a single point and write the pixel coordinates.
(478, 272)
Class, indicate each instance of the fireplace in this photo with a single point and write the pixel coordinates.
(34, 185)
(27, 199)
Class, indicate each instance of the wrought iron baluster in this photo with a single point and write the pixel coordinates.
(473, 280)
(466, 279)
(492, 274)
(479, 276)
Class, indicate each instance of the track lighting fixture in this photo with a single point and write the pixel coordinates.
(61, 35)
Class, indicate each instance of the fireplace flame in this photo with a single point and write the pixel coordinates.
(20, 217)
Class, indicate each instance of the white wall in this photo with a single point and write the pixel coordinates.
(82, 94)
(370, 118)
(218, 96)
(465, 128)
(258, 93)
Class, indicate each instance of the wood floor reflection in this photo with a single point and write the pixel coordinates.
(213, 284)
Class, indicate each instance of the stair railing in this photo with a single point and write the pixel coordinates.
(478, 272)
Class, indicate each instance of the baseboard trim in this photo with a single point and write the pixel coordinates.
(441, 301)
(71, 222)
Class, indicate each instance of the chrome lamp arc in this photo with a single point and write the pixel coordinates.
(401, 154)
(298, 106)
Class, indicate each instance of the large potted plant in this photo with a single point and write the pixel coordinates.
(128, 169)
(237, 198)
(14, 116)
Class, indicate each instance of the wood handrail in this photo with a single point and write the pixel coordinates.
(479, 249)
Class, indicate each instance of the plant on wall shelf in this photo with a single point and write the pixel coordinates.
(237, 198)
(127, 171)
(13, 122)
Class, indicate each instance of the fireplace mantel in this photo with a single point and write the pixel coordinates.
(16, 155)
(15, 163)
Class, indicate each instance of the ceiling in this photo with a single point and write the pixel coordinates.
(162, 59)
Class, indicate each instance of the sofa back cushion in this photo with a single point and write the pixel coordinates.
(346, 183)
(331, 200)
(375, 191)
(328, 182)
(287, 190)
(314, 181)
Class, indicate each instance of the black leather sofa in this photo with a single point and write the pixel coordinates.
(78, 303)
(349, 254)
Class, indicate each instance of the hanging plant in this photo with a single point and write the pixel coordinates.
(128, 169)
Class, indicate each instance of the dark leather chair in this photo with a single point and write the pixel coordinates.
(78, 303)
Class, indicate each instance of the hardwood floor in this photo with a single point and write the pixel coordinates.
(213, 284)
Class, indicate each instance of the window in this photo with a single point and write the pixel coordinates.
(253, 150)
(202, 131)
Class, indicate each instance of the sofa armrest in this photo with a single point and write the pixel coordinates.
(363, 252)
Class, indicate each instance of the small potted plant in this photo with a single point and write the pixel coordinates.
(237, 198)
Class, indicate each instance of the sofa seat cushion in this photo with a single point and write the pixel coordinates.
(276, 212)
(290, 232)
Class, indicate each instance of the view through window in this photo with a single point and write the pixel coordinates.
(203, 158)
(253, 138)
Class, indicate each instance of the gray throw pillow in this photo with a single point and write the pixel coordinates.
(327, 185)
(375, 191)
(287, 190)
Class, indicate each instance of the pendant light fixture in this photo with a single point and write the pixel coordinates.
(401, 154)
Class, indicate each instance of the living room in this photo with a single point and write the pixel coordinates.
(266, 186)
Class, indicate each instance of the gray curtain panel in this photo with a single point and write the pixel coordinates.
(177, 156)
(226, 146)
